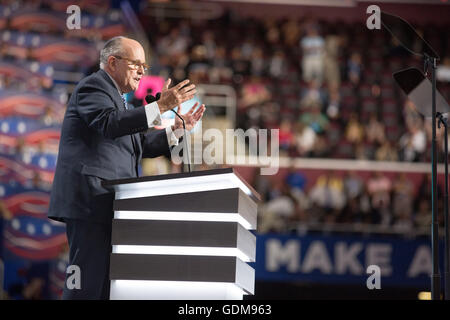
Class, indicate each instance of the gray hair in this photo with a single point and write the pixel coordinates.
(112, 47)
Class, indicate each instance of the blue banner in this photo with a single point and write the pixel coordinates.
(344, 259)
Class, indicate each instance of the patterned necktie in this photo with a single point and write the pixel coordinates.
(125, 102)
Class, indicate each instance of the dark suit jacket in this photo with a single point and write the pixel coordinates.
(100, 140)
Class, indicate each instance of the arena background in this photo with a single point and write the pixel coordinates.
(353, 188)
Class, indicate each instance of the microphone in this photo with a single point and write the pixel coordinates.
(149, 99)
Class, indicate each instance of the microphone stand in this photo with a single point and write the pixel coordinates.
(149, 99)
(184, 140)
(443, 120)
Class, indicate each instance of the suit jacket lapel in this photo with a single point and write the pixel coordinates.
(119, 103)
(113, 90)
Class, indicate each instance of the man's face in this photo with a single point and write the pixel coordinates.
(125, 71)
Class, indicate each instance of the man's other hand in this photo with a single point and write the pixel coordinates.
(190, 119)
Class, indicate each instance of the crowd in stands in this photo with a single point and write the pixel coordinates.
(328, 88)
(348, 200)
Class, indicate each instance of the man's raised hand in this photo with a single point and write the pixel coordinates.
(170, 98)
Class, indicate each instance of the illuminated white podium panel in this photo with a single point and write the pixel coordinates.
(183, 236)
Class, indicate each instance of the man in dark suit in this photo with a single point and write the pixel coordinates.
(102, 138)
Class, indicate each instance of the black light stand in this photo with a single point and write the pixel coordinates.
(443, 120)
(435, 276)
(407, 36)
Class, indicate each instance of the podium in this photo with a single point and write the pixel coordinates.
(183, 236)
